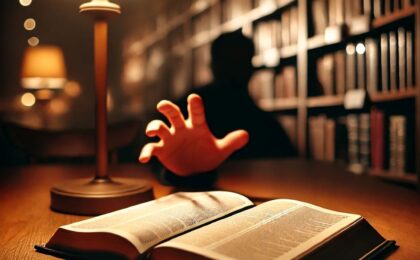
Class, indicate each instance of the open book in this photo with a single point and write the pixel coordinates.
(218, 225)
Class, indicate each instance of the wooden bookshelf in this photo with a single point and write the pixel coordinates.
(302, 55)
(410, 92)
(278, 104)
(395, 16)
(325, 101)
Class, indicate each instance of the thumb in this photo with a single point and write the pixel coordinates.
(233, 141)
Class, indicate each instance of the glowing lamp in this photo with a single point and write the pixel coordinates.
(43, 67)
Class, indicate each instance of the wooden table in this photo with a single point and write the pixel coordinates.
(25, 217)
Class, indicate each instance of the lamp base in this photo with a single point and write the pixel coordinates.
(99, 196)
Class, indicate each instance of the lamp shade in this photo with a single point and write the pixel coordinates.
(43, 67)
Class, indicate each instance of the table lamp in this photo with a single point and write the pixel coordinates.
(100, 194)
(43, 67)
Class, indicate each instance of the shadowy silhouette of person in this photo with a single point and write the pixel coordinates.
(204, 131)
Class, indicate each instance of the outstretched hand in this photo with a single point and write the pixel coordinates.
(188, 147)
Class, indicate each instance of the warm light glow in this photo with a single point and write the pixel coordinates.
(109, 101)
(350, 49)
(59, 106)
(44, 94)
(25, 2)
(43, 68)
(72, 89)
(271, 57)
(29, 24)
(28, 99)
(33, 41)
(360, 48)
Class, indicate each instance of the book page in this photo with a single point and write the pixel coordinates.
(279, 229)
(147, 224)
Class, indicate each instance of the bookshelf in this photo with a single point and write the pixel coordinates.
(295, 62)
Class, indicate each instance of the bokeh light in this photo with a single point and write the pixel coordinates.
(33, 41)
(29, 24)
(25, 2)
(72, 89)
(28, 99)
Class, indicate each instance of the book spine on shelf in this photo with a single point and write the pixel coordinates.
(361, 66)
(377, 139)
(377, 10)
(393, 65)
(384, 62)
(285, 30)
(397, 136)
(353, 139)
(340, 72)
(325, 71)
(350, 66)
(340, 12)
(401, 59)
(410, 58)
(294, 26)
(372, 65)
(320, 16)
(330, 140)
(364, 139)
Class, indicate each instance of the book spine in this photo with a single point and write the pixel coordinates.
(384, 62)
(340, 72)
(377, 139)
(377, 12)
(410, 57)
(340, 12)
(372, 65)
(397, 135)
(285, 30)
(353, 139)
(393, 61)
(401, 59)
(332, 13)
(350, 66)
(330, 140)
(364, 139)
(294, 27)
(361, 66)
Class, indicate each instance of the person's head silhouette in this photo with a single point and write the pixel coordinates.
(231, 59)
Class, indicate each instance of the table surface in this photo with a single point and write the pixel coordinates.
(26, 220)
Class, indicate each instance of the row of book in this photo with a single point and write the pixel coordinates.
(354, 15)
(377, 65)
(363, 141)
(268, 85)
(277, 33)
(232, 9)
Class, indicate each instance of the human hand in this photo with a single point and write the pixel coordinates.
(188, 147)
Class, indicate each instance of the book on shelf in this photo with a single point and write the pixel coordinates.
(325, 74)
(384, 63)
(219, 225)
(261, 85)
(361, 66)
(350, 66)
(294, 25)
(285, 83)
(372, 65)
(285, 28)
(354, 144)
(397, 144)
(319, 16)
(410, 59)
(402, 83)
(340, 72)
(393, 65)
(330, 140)
(377, 135)
(364, 140)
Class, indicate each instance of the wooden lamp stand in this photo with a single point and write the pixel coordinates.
(100, 194)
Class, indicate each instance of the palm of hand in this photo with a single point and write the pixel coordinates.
(189, 147)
